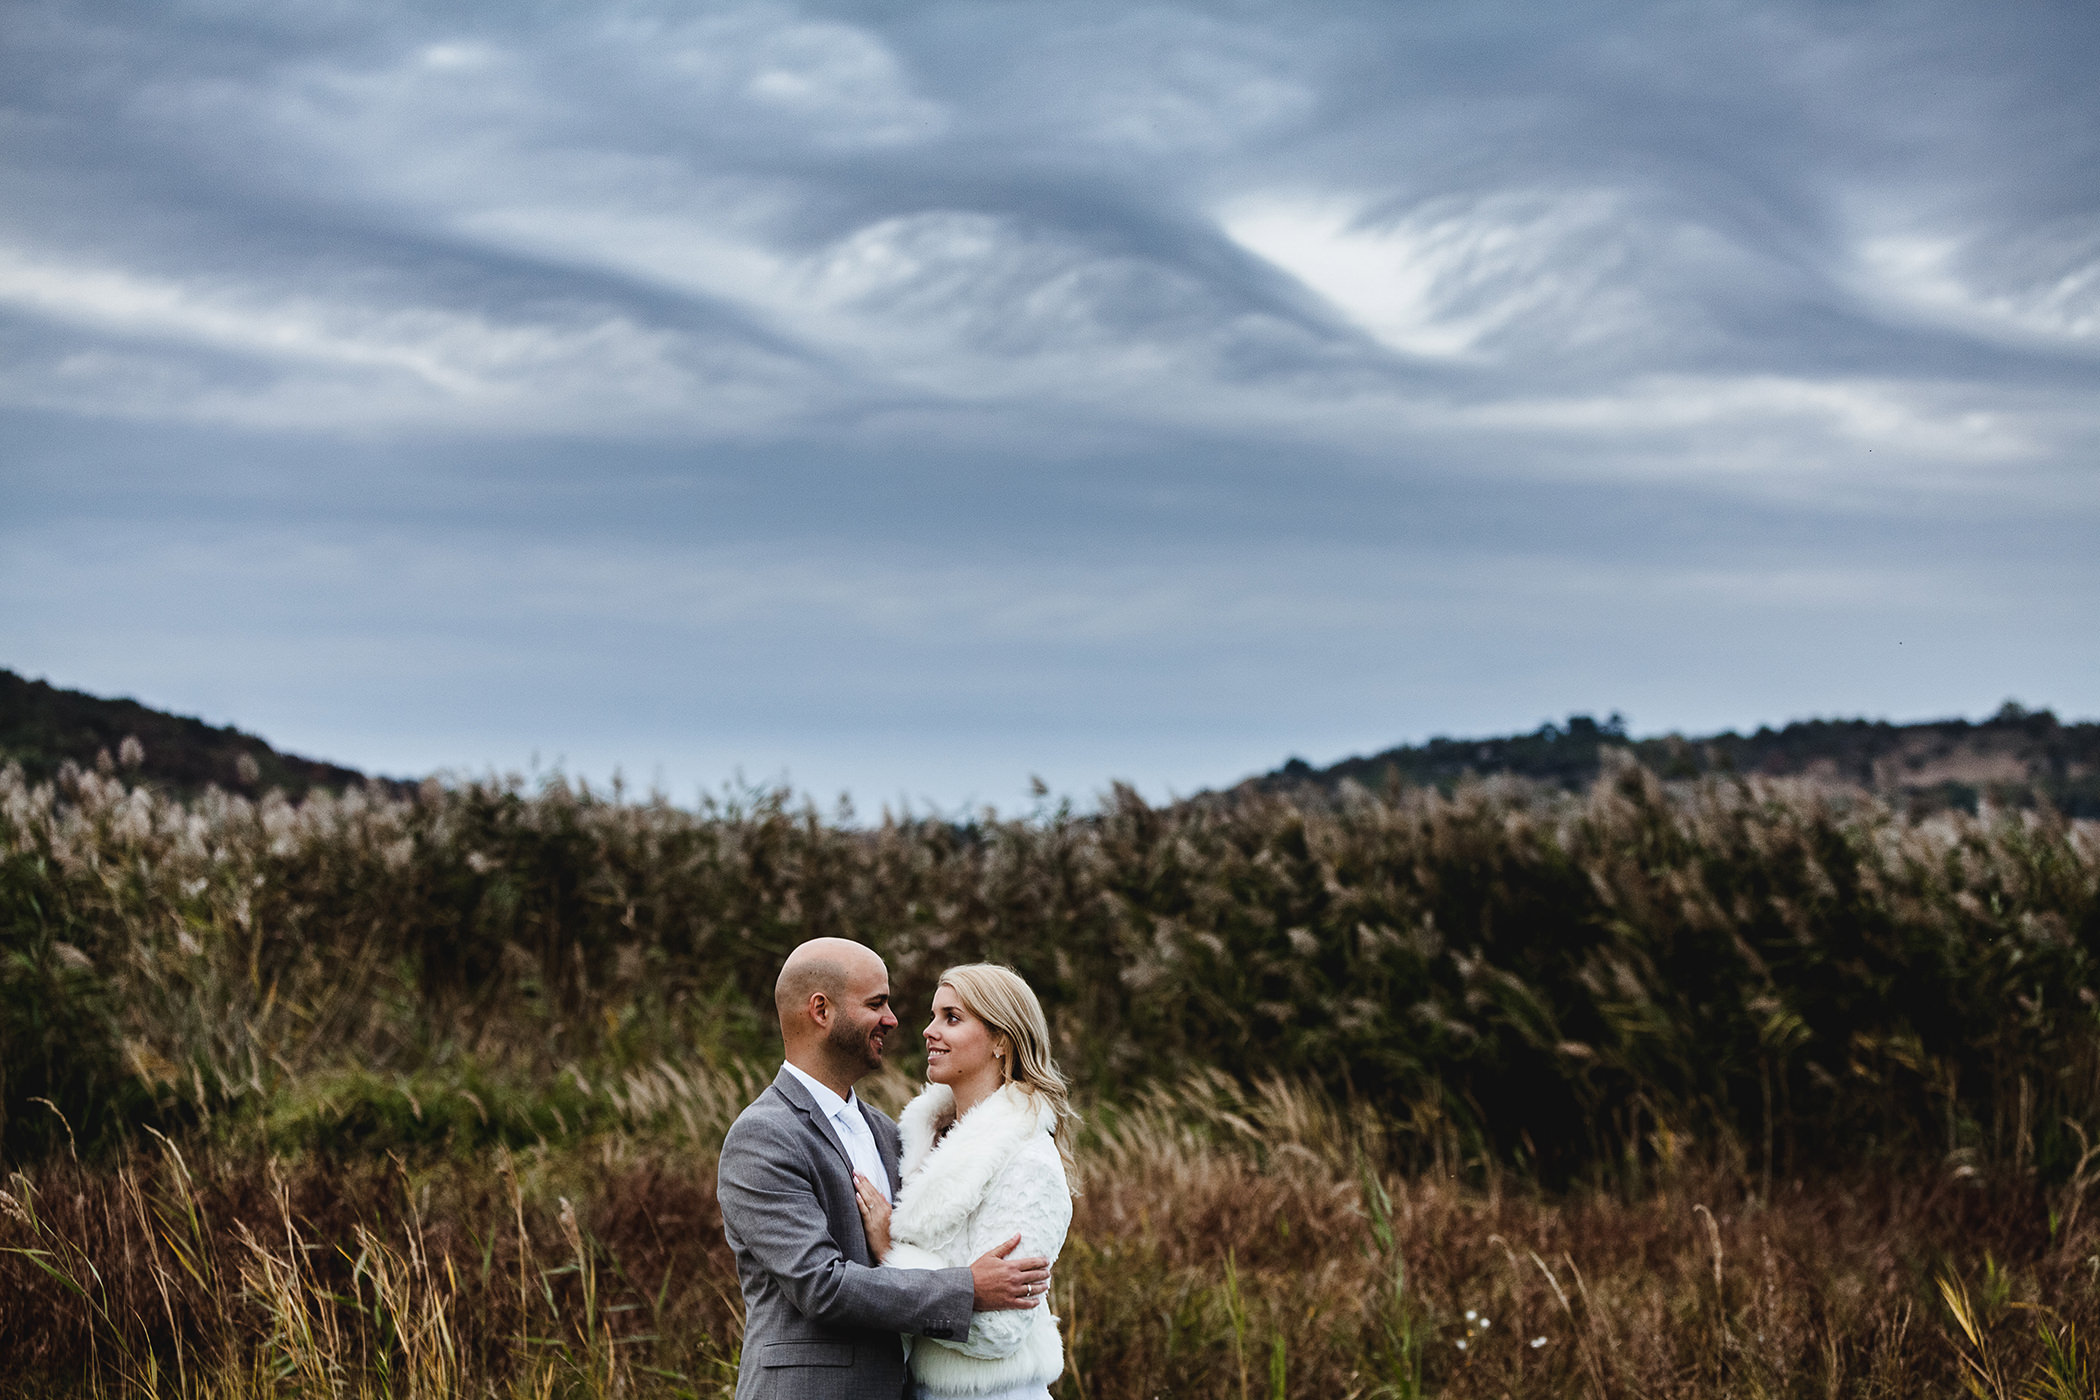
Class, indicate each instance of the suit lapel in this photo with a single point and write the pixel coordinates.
(885, 1146)
(790, 1088)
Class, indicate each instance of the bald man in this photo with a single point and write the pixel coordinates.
(821, 1322)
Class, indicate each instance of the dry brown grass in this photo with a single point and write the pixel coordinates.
(1227, 1242)
(1365, 1283)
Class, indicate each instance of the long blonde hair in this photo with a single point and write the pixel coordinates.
(1003, 1000)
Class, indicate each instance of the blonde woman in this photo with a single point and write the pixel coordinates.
(986, 1148)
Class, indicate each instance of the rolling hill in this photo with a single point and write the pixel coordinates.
(43, 727)
(2017, 757)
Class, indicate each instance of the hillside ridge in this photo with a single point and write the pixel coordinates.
(2017, 757)
(43, 727)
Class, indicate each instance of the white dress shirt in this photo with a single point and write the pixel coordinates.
(852, 1129)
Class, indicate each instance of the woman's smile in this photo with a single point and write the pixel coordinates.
(959, 1049)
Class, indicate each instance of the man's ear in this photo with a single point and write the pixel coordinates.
(819, 1008)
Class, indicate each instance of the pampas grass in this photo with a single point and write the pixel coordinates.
(1727, 1087)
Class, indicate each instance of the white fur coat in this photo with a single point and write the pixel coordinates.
(995, 1175)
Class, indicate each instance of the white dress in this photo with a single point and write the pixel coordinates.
(995, 1174)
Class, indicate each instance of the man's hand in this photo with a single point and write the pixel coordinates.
(1003, 1284)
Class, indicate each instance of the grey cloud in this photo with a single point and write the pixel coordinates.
(823, 188)
(1164, 347)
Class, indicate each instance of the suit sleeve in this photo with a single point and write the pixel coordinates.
(1030, 1199)
(770, 1209)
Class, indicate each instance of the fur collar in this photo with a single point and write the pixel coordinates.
(944, 1181)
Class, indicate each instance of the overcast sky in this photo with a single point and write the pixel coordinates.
(907, 398)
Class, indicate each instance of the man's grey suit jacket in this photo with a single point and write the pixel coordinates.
(821, 1322)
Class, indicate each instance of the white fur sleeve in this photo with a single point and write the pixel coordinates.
(1029, 1198)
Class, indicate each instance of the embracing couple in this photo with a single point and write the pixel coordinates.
(884, 1260)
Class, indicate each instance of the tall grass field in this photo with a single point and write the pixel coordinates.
(1715, 1087)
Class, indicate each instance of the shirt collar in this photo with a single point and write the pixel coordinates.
(828, 1101)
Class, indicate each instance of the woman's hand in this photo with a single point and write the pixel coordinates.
(874, 1216)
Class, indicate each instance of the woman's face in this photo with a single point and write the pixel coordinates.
(959, 1049)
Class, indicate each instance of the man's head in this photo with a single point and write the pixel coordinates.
(833, 997)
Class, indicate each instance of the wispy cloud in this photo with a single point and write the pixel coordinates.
(2048, 302)
(1452, 279)
(826, 197)
(219, 349)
